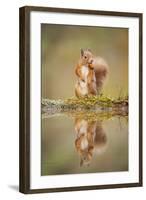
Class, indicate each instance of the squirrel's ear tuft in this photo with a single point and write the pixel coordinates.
(89, 50)
(82, 52)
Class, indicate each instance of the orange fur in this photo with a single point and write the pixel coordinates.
(78, 71)
(97, 74)
(91, 80)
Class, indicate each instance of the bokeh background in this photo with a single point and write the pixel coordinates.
(60, 51)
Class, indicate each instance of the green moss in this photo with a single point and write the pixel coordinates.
(98, 104)
(91, 108)
(101, 100)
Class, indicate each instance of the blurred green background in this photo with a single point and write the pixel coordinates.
(60, 52)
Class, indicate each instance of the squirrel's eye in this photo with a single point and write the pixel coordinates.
(85, 57)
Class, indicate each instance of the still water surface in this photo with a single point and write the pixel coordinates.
(73, 145)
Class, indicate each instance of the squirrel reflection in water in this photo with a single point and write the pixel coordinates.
(91, 139)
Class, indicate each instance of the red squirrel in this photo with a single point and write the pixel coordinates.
(92, 72)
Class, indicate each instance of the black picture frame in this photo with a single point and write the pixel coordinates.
(24, 77)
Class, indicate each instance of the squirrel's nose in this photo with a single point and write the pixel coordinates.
(91, 61)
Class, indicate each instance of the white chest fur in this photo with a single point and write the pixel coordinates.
(85, 72)
(82, 84)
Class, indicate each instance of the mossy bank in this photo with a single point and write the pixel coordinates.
(90, 103)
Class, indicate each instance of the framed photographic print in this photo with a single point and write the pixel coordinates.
(80, 99)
